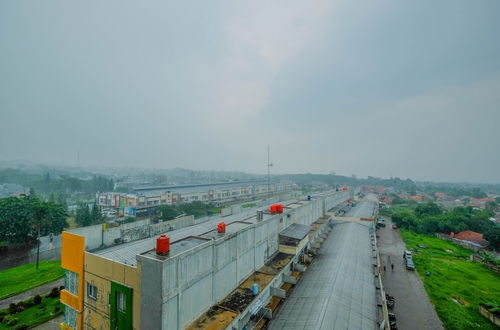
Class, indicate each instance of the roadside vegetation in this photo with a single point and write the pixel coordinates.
(23, 218)
(429, 218)
(22, 278)
(249, 205)
(196, 208)
(31, 312)
(455, 285)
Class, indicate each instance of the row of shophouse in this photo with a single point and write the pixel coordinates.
(145, 202)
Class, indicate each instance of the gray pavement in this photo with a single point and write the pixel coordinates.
(43, 289)
(337, 291)
(413, 308)
(51, 324)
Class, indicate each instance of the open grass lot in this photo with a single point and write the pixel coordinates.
(22, 278)
(49, 308)
(456, 285)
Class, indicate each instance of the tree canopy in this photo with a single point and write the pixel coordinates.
(429, 218)
(22, 217)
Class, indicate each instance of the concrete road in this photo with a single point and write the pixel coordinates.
(413, 308)
(51, 324)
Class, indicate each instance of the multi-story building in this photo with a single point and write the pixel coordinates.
(145, 201)
(132, 286)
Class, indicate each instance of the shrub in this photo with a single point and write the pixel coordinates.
(11, 321)
(61, 288)
(22, 327)
(57, 308)
(54, 292)
(37, 300)
(12, 308)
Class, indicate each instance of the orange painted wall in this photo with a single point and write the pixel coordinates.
(72, 258)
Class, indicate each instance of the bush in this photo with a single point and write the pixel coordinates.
(61, 288)
(54, 292)
(11, 320)
(37, 300)
(12, 308)
(57, 308)
(129, 220)
(22, 327)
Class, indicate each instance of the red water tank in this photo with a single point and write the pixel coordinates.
(162, 244)
(344, 188)
(279, 208)
(273, 209)
(221, 227)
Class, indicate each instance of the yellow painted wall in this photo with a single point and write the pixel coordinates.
(100, 272)
(72, 258)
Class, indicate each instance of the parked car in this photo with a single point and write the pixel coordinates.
(394, 226)
(407, 255)
(409, 264)
(380, 222)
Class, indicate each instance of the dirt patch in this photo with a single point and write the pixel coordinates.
(238, 300)
(276, 264)
(261, 279)
(216, 318)
(460, 301)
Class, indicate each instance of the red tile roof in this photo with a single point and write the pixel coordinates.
(471, 236)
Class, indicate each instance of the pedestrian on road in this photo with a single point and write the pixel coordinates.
(392, 266)
(384, 268)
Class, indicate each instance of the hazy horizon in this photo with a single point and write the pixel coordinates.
(385, 89)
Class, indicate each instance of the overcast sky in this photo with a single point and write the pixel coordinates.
(380, 88)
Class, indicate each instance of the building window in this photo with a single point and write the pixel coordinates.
(71, 282)
(120, 301)
(70, 317)
(91, 291)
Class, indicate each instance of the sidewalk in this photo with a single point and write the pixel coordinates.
(413, 308)
(30, 293)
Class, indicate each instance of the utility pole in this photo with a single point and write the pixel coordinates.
(269, 164)
(38, 247)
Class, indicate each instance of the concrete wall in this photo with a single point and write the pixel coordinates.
(195, 280)
(96, 238)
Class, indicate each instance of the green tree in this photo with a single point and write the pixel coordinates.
(427, 209)
(21, 218)
(167, 212)
(490, 206)
(95, 214)
(83, 217)
(497, 199)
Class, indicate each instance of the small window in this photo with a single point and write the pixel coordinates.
(120, 301)
(91, 291)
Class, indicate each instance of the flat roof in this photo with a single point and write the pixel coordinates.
(126, 253)
(337, 291)
(296, 231)
(232, 227)
(177, 247)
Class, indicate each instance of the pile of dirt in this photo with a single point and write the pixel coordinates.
(238, 300)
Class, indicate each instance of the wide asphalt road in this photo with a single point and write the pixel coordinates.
(413, 308)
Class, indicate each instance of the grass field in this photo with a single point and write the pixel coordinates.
(456, 285)
(22, 278)
(46, 310)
